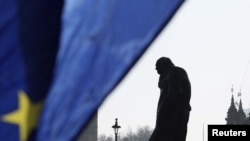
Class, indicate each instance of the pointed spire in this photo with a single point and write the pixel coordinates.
(241, 114)
(240, 105)
(233, 103)
(232, 113)
(232, 100)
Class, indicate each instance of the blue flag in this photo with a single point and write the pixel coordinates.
(29, 38)
(100, 42)
(60, 59)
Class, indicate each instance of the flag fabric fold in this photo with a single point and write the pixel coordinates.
(29, 38)
(100, 42)
(60, 59)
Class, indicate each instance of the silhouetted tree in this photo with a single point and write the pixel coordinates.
(143, 134)
(103, 137)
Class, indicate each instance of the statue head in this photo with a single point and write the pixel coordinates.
(163, 65)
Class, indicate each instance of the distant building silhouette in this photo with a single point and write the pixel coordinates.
(237, 116)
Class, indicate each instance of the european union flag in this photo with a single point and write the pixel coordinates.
(60, 59)
(100, 42)
(29, 38)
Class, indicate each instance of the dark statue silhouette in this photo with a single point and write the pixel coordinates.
(173, 106)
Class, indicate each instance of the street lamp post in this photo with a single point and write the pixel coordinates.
(116, 127)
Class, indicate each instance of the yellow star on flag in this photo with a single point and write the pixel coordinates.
(26, 116)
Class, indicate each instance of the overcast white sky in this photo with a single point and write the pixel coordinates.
(208, 38)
